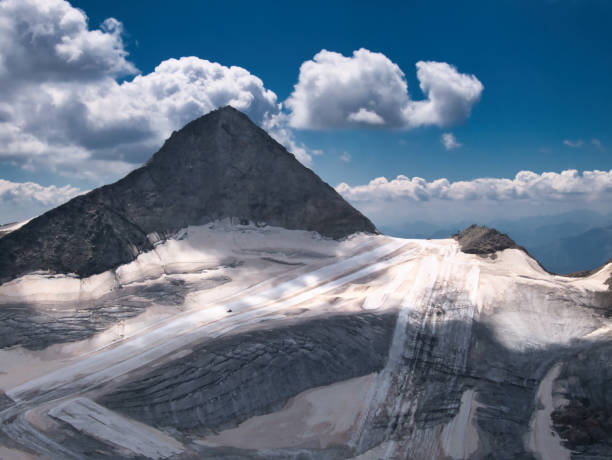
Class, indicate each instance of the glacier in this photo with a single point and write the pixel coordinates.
(234, 340)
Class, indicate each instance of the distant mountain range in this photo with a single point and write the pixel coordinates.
(585, 251)
(562, 243)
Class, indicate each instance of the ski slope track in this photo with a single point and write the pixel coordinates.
(235, 341)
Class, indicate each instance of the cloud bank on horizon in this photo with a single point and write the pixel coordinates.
(389, 202)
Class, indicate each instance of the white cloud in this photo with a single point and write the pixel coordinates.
(367, 117)
(525, 185)
(346, 157)
(403, 199)
(104, 123)
(450, 141)
(151, 106)
(597, 143)
(62, 108)
(332, 87)
(45, 40)
(573, 144)
(23, 200)
(368, 89)
(450, 95)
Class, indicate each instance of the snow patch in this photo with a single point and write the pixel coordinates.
(107, 426)
(317, 418)
(460, 436)
(544, 441)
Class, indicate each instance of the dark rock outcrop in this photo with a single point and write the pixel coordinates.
(220, 165)
(585, 421)
(5, 401)
(484, 240)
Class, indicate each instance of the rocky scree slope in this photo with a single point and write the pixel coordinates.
(220, 165)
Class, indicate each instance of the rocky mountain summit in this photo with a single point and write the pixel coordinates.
(220, 165)
(478, 239)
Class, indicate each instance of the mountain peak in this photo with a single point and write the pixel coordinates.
(225, 114)
(478, 239)
(218, 166)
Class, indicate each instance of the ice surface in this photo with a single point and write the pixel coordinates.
(543, 440)
(279, 276)
(91, 418)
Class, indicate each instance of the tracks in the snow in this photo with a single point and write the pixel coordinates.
(437, 297)
(169, 337)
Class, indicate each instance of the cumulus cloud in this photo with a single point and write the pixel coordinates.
(336, 91)
(23, 200)
(62, 107)
(573, 144)
(450, 95)
(391, 202)
(449, 141)
(366, 116)
(346, 157)
(144, 111)
(72, 102)
(49, 40)
(368, 89)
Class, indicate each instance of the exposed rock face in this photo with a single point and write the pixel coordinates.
(222, 383)
(484, 240)
(220, 165)
(585, 422)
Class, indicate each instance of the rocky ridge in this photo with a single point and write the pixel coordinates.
(218, 166)
(477, 239)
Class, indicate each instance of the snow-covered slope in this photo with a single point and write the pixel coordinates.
(239, 341)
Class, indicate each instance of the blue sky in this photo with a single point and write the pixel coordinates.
(545, 67)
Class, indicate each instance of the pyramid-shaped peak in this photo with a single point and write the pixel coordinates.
(218, 166)
(223, 132)
(229, 110)
(225, 113)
